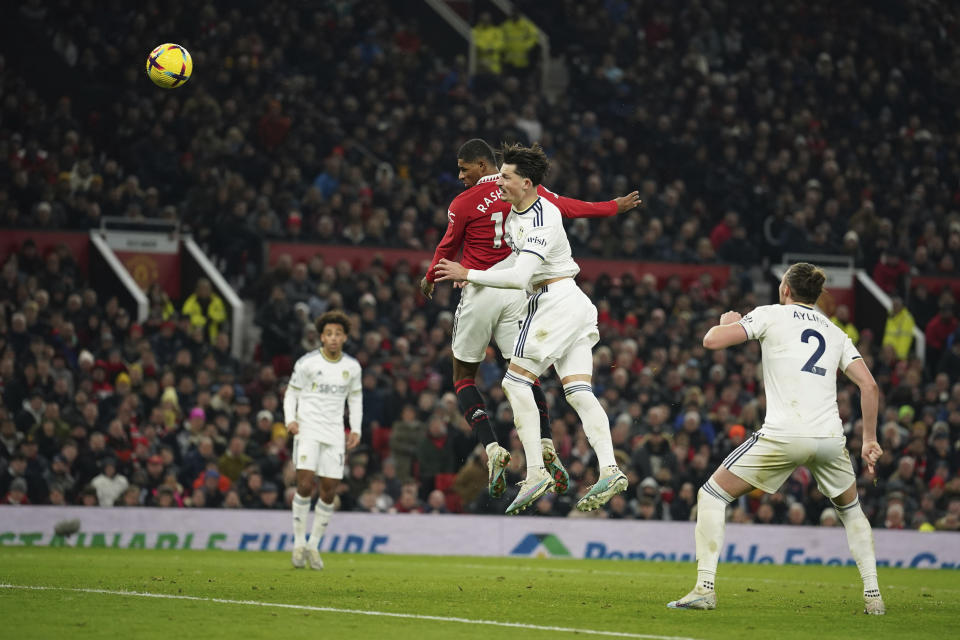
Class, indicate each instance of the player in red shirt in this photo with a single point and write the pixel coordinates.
(476, 223)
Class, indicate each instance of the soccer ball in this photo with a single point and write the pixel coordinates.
(169, 66)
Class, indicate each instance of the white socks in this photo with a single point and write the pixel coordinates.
(526, 416)
(301, 508)
(546, 444)
(860, 540)
(712, 504)
(596, 425)
(321, 518)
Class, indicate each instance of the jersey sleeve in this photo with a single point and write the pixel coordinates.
(356, 381)
(572, 208)
(756, 322)
(849, 354)
(296, 378)
(452, 240)
(516, 277)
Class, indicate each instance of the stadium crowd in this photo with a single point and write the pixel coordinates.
(98, 410)
(745, 145)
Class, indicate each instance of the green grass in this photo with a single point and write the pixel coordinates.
(597, 595)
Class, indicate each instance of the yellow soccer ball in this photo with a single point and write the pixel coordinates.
(169, 66)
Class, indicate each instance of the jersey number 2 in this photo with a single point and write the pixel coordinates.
(811, 365)
(497, 217)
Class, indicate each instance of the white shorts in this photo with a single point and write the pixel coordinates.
(559, 319)
(766, 462)
(324, 459)
(486, 312)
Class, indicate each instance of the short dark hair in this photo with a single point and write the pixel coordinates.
(531, 162)
(475, 150)
(805, 281)
(334, 317)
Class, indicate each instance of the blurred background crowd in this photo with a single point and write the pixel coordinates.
(338, 123)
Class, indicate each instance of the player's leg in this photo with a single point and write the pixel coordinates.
(322, 513)
(518, 387)
(471, 402)
(330, 472)
(754, 463)
(305, 456)
(474, 411)
(714, 497)
(551, 461)
(833, 472)
(575, 369)
(479, 315)
(505, 334)
(860, 541)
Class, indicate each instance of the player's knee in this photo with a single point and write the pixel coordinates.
(304, 487)
(463, 370)
(579, 395)
(327, 494)
(515, 386)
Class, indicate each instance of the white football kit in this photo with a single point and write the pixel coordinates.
(315, 399)
(558, 316)
(802, 351)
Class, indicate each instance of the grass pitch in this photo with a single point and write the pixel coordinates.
(99, 593)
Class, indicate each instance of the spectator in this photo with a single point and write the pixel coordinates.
(205, 309)
(519, 37)
(109, 485)
(939, 329)
(435, 454)
(898, 332)
(405, 438)
(16, 493)
(488, 39)
(842, 320)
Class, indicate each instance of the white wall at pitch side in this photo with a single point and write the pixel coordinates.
(252, 530)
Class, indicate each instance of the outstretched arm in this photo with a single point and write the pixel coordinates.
(726, 334)
(516, 277)
(573, 208)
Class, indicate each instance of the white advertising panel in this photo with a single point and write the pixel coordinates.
(251, 530)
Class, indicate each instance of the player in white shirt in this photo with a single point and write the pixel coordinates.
(560, 327)
(322, 381)
(801, 352)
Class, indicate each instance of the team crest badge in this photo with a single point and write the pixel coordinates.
(303, 458)
(346, 374)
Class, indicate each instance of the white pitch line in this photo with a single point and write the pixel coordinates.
(360, 612)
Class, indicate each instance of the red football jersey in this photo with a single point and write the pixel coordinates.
(475, 223)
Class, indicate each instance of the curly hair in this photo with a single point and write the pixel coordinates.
(333, 317)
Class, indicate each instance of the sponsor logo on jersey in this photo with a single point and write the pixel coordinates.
(538, 241)
(329, 388)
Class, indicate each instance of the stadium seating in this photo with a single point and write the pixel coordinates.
(736, 138)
